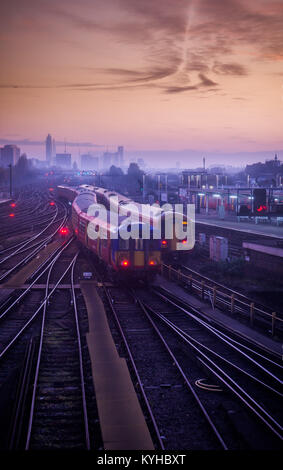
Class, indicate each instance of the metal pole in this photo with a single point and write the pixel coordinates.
(11, 188)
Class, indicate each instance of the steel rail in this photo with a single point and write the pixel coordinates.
(45, 300)
(35, 382)
(86, 427)
(260, 412)
(185, 377)
(32, 254)
(157, 432)
(31, 239)
(215, 332)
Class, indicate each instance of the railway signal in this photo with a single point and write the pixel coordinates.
(125, 263)
(260, 206)
(64, 231)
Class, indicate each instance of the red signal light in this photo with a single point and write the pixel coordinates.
(51, 189)
(261, 208)
(64, 231)
(164, 242)
(125, 263)
(11, 215)
(13, 204)
(52, 203)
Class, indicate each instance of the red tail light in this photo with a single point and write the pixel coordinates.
(152, 262)
(184, 241)
(164, 242)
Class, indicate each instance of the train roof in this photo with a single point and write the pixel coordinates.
(124, 201)
(84, 200)
(82, 204)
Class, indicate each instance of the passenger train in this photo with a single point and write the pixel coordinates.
(169, 246)
(132, 258)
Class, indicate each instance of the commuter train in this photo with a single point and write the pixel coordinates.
(132, 258)
(67, 193)
(170, 246)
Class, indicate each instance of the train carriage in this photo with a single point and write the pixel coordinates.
(132, 258)
(170, 246)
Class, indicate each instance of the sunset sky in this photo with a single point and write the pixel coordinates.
(205, 75)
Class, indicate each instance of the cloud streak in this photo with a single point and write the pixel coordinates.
(31, 142)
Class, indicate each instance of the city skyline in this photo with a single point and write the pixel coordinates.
(152, 76)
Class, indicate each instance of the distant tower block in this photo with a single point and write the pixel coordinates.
(121, 155)
(48, 149)
(203, 163)
(53, 149)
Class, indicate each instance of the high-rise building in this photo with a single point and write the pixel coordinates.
(48, 149)
(63, 160)
(113, 158)
(89, 162)
(10, 155)
(121, 155)
(106, 160)
(53, 150)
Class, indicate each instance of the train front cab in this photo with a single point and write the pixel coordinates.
(136, 258)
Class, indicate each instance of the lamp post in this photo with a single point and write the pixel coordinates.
(11, 188)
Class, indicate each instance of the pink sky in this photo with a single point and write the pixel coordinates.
(148, 74)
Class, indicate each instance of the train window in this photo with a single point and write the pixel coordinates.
(124, 244)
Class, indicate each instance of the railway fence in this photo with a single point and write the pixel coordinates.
(224, 298)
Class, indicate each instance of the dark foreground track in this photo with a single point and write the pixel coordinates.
(204, 388)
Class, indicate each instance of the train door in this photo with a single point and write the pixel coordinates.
(138, 253)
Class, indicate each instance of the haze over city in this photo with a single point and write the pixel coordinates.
(156, 77)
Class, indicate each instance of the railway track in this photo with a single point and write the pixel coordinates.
(252, 376)
(21, 253)
(55, 394)
(176, 418)
(201, 387)
(59, 390)
(27, 212)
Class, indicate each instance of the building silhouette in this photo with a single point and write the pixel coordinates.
(48, 149)
(89, 162)
(63, 160)
(10, 155)
(113, 158)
